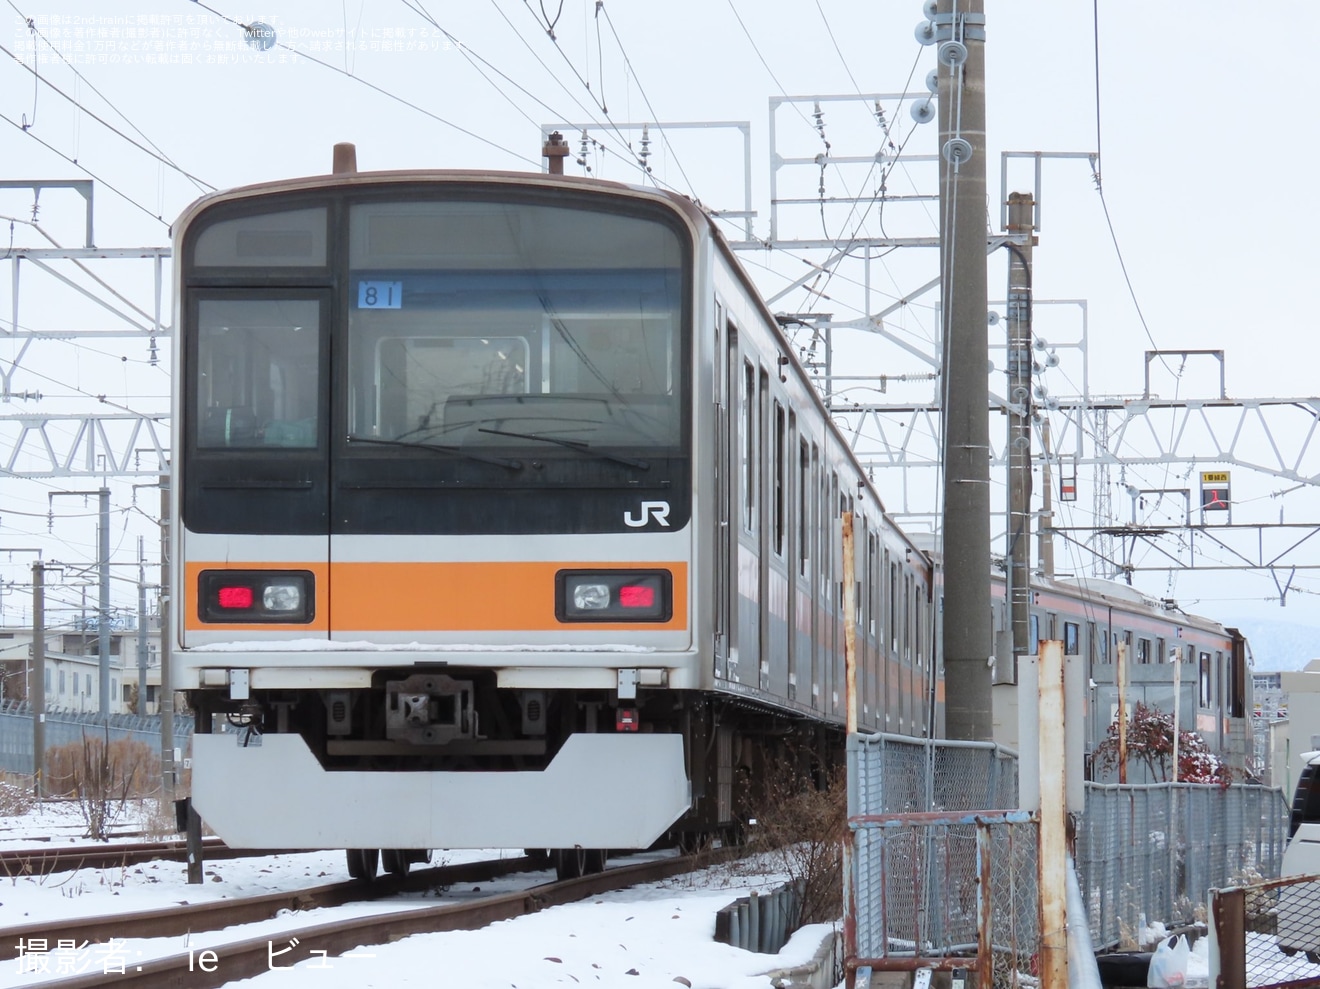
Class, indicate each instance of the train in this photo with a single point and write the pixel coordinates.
(504, 514)
(1168, 654)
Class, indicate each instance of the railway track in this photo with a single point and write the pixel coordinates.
(216, 914)
(219, 964)
(45, 860)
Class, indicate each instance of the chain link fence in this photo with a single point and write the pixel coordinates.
(66, 727)
(933, 876)
(1148, 853)
(1269, 933)
(932, 853)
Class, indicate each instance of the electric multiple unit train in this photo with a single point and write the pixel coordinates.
(505, 516)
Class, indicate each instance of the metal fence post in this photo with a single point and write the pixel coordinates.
(1230, 920)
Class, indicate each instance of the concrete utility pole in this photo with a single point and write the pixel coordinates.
(165, 701)
(103, 605)
(142, 632)
(38, 685)
(967, 626)
(1020, 210)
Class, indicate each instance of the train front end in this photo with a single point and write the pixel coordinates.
(432, 503)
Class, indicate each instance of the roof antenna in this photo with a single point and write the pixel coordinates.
(345, 159)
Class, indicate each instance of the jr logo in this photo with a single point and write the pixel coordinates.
(659, 509)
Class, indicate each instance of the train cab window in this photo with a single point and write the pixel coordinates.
(256, 378)
(471, 324)
(1071, 639)
(1159, 651)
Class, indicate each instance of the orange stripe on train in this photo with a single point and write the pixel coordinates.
(428, 597)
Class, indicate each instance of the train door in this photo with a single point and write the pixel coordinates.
(763, 537)
(725, 384)
(744, 654)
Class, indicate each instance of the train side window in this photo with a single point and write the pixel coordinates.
(1203, 680)
(1071, 639)
(1159, 651)
(907, 611)
(1143, 650)
(748, 444)
(1102, 639)
(892, 591)
(804, 507)
(780, 479)
(1033, 634)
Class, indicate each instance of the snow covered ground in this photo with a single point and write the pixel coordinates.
(650, 936)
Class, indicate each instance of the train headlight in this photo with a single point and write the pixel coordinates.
(614, 596)
(282, 598)
(591, 597)
(249, 596)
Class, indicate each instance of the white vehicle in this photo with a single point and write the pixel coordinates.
(1299, 906)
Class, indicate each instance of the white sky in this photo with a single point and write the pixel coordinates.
(660, 931)
(1200, 141)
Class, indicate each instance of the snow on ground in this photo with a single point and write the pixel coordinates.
(648, 936)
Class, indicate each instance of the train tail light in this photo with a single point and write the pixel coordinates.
(614, 595)
(626, 719)
(274, 596)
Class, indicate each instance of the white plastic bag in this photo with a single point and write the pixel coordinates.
(1168, 965)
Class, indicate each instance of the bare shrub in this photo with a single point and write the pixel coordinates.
(102, 777)
(800, 824)
(15, 801)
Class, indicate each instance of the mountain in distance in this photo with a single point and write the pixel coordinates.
(1278, 646)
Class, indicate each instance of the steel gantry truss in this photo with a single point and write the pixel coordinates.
(46, 444)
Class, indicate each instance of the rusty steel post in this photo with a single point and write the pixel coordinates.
(1121, 658)
(1230, 918)
(1052, 863)
(985, 914)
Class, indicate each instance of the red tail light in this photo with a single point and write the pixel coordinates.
(636, 596)
(626, 719)
(235, 597)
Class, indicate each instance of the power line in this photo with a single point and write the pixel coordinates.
(375, 88)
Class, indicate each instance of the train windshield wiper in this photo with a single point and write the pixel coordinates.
(578, 445)
(457, 451)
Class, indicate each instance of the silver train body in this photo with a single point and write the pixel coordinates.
(505, 516)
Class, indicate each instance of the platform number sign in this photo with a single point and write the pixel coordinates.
(1215, 491)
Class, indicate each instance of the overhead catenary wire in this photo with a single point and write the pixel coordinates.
(375, 88)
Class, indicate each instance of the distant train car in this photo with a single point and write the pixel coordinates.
(506, 517)
(1094, 617)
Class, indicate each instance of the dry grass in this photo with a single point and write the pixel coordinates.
(102, 777)
(800, 828)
